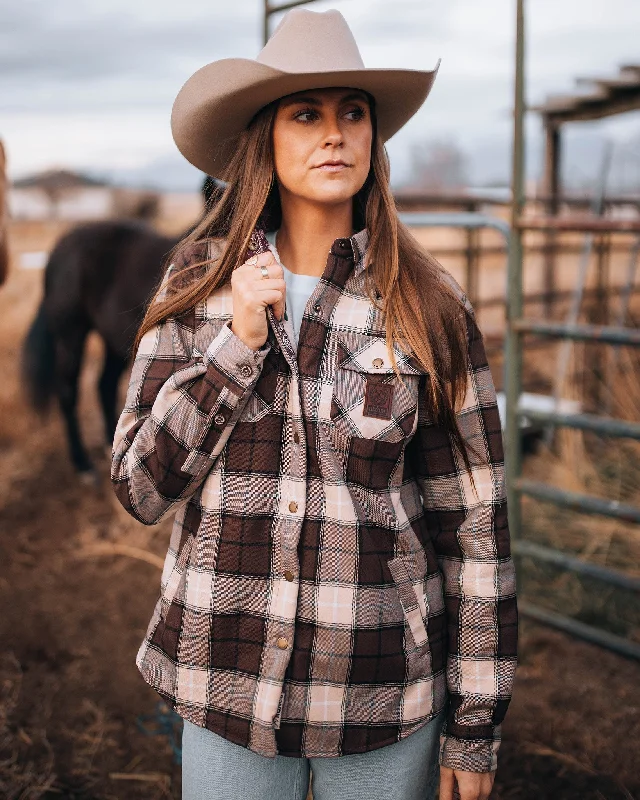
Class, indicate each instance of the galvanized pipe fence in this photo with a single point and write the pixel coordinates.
(517, 486)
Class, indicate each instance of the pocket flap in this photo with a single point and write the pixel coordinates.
(371, 356)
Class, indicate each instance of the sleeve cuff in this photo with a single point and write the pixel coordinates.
(228, 353)
(470, 755)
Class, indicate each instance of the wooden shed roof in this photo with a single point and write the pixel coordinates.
(58, 180)
(607, 97)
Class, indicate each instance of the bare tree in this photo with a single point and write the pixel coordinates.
(437, 166)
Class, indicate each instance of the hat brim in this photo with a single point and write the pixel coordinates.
(220, 99)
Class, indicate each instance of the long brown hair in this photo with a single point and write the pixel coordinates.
(423, 315)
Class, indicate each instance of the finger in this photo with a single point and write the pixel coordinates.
(270, 297)
(278, 308)
(260, 274)
(261, 260)
(446, 784)
(268, 283)
(488, 785)
(274, 283)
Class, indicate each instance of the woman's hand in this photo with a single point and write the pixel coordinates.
(252, 293)
(457, 783)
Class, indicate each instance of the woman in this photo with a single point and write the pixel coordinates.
(338, 578)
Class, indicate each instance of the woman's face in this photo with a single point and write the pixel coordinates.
(318, 126)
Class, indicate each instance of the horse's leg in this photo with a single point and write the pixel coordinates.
(69, 351)
(113, 368)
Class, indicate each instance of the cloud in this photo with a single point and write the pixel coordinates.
(92, 83)
(52, 56)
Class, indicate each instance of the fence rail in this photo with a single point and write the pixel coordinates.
(517, 486)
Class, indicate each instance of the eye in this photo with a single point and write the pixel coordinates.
(357, 113)
(308, 113)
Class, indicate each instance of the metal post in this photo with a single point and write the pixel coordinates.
(513, 355)
(269, 10)
(265, 28)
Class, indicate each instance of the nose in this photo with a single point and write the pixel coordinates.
(333, 134)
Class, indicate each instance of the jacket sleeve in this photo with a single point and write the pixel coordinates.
(471, 538)
(180, 409)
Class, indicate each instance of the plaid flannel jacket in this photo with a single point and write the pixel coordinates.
(332, 580)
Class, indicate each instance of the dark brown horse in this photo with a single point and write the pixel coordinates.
(4, 218)
(99, 277)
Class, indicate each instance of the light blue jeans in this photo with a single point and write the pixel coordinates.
(215, 769)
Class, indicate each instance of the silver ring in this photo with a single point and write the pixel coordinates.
(264, 271)
(253, 260)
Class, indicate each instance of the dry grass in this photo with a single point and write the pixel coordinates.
(26, 758)
(582, 462)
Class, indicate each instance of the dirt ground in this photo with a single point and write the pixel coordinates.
(74, 611)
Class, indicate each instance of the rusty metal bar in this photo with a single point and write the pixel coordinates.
(607, 334)
(454, 219)
(463, 200)
(581, 224)
(536, 297)
(565, 561)
(584, 503)
(607, 426)
(576, 628)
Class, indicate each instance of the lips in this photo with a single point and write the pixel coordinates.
(333, 166)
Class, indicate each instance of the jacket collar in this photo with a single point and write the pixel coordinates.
(355, 247)
(360, 244)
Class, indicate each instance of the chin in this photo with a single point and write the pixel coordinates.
(333, 194)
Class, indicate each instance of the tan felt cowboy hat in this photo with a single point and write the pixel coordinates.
(308, 50)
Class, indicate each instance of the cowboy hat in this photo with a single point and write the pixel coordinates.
(308, 50)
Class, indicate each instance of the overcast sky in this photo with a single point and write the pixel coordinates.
(90, 83)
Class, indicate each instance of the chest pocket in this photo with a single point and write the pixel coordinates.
(368, 399)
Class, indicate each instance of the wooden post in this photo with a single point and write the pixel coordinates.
(600, 316)
(551, 190)
(472, 253)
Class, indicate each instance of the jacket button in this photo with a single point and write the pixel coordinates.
(219, 419)
(246, 371)
(293, 506)
(296, 437)
(282, 643)
(317, 308)
(288, 575)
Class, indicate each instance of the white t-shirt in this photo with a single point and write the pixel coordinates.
(299, 289)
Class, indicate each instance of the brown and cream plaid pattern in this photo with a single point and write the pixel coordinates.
(332, 579)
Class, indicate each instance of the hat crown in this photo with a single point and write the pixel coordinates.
(312, 41)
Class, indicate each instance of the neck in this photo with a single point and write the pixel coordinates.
(307, 232)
